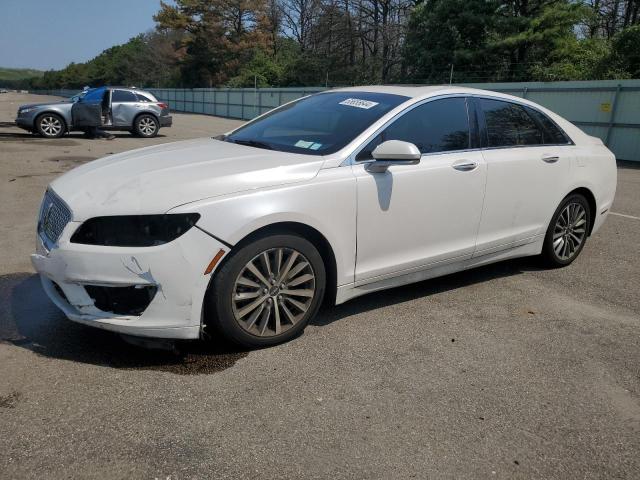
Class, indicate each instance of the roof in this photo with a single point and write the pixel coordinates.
(117, 87)
(417, 91)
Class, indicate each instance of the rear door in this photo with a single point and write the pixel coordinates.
(123, 107)
(527, 173)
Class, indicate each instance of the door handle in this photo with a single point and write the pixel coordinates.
(465, 166)
(550, 158)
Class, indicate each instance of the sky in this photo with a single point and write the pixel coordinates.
(45, 34)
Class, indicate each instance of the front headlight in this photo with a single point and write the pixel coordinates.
(25, 110)
(134, 230)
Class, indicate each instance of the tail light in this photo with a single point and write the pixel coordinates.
(163, 105)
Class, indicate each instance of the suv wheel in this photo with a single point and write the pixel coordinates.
(146, 126)
(50, 125)
(267, 291)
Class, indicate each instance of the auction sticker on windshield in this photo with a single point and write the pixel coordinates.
(358, 103)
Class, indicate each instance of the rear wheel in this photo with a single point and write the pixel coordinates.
(146, 126)
(567, 232)
(50, 125)
(267, 291)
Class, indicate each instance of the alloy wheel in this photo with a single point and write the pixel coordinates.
(147, 126)
(570, 231)
(273, 292)
(51, 126)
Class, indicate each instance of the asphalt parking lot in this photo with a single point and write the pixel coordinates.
(507, 371)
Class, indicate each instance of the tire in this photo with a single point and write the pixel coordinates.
(280, 311)
(146, 126)
(50, 125)
(568, 231)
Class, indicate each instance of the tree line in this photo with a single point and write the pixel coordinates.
(246, 43)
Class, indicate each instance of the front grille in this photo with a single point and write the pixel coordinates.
(54, 216)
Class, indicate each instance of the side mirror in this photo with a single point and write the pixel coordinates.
(393, 152)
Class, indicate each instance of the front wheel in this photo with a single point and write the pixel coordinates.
(567, 232)
(146, 126)
(268, 290)
(50, 125)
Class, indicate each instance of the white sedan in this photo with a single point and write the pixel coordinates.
(329, 197)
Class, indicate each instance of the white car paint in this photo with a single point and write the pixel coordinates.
(145, 180)
(385, 229)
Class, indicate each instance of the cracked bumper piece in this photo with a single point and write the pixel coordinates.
(152, 292)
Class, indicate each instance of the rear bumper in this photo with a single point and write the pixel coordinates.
(175, 271)
(166, 121)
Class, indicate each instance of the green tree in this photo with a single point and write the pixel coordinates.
(529, 32)
(626, 50)
(219, 36)
(488, 40)
(445, 32)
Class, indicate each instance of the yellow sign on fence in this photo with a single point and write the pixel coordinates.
(605, 107)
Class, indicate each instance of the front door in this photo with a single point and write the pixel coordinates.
(415, 216)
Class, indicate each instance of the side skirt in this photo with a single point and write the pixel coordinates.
(349, 291)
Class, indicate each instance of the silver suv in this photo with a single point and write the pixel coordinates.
(130, 109)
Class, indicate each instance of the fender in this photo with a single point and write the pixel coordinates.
(327, 203)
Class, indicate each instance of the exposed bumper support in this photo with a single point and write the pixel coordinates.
(175, 270)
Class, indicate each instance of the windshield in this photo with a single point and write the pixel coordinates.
(317, 125)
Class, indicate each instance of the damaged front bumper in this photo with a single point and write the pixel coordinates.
(153, 291)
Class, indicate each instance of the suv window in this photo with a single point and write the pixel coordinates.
(509, 124)
(144, 98)
(551, 134)
(436, 126)
(123, 96)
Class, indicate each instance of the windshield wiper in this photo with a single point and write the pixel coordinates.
(251, 143)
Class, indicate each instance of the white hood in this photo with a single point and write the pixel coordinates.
(155, 179)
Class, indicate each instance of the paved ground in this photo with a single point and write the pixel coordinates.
(507, 371)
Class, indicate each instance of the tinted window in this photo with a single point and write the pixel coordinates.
(317, 125)
(123, 96)
(437, 126)
(509, 124)
(143, 98)
(551, 134)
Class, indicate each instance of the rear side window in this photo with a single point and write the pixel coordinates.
(144, 98)
(509, 124)
(123, 96)
(436, 126)
(551, 133)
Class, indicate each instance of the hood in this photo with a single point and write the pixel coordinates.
(45, 104)
(153, 180)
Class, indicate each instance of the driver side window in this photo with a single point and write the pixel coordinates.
(436, 126)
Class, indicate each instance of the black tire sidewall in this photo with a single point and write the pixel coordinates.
(136, 125)
(547, 250)
(221, 313)
(39, 128)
